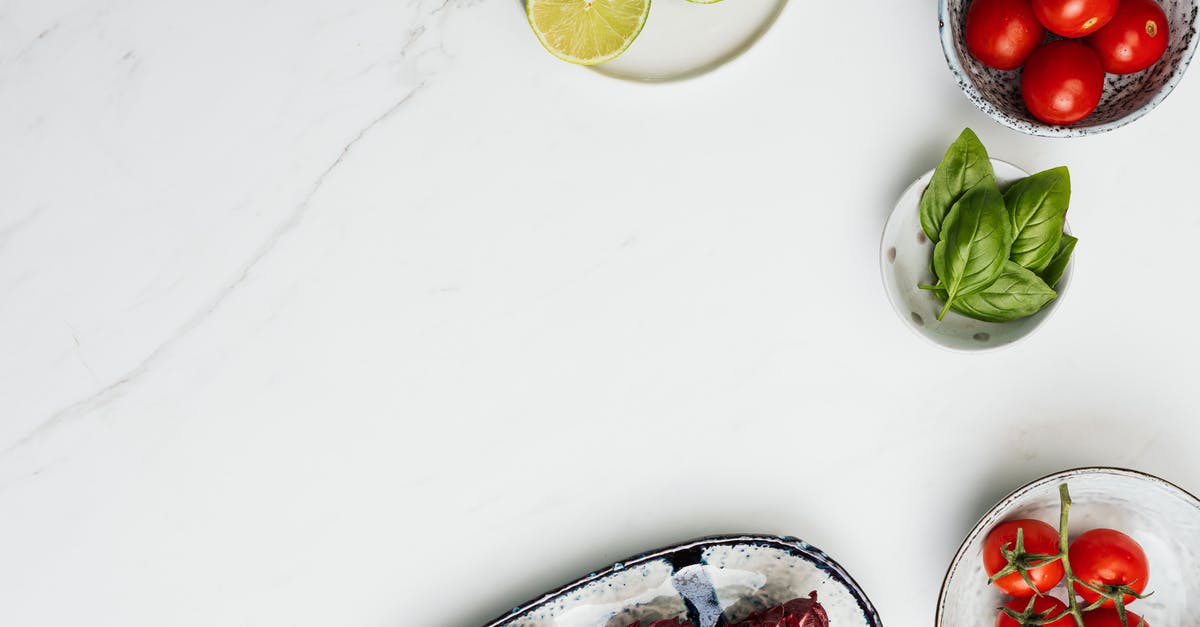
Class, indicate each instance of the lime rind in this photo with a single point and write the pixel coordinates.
(641, 6)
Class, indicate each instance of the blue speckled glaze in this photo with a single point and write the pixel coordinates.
(1126, 98)
(709, 581)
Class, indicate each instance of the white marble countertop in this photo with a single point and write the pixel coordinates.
(372, 313)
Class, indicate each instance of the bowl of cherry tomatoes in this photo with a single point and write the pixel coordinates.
(1066, 68)
(1098, 547)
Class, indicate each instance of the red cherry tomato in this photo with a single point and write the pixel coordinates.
(1134, 40)
(1003, 33)
(1046, 607)
(1109, 617)
(1062, 82)
(1040, 539)
(1075, 18)
(1107, 557)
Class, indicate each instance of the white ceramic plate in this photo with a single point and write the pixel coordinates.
(683, 39)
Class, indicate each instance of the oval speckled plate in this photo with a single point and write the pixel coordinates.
(711, 582)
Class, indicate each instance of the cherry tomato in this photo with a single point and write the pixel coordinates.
(1047, 607)
(1108, 617)
(1135, 38)
(1003, 33)
(1075, 18)
(1108, 558)
(1040, 539)
(1062, 82)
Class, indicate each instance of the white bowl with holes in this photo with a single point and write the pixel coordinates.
(904, 259)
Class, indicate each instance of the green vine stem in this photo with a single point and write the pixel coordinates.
(1064, 500)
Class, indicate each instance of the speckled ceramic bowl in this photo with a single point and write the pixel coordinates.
(904, 254)
(1162, 517)
(1126, 98)
(709, 581)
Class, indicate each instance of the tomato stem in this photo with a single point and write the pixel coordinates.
(1064, 544)
(1117, 596)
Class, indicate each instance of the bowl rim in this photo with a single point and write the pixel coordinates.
(1041, 129)
(701, 70)
(902, 312)
(1015, 495)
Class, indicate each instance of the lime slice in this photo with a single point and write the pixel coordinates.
(587, 32)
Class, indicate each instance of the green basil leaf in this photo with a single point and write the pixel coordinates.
(1038, 205)
(1016, 293)
(965, 165)
(1058, 265)
(976, 240)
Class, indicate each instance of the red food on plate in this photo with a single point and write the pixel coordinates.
(795, 613)
(1062, 82)
(1106, 557)
(1075, 18)
(1039, 538)
(1134, 40)
(802, 612)
(1001, 34)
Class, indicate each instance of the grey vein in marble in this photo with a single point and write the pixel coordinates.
(7, 232)
(102, 396)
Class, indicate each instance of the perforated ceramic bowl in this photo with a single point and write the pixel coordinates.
(1162, 517)
(1126, 98)
(904, 254)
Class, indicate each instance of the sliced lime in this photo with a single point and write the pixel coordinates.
(587, 32)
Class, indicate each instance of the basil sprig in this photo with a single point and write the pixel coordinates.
(976, 239)
(1058, 264)
(1016, 293)
(1039, 210)
(997, 256)
(964, 166)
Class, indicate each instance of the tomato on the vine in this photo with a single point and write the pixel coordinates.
(1001, 34)
(1075, 18)
(1062, 82)
(1106, 557)
(1043, 608)
(1038, 539)
(1109, 618)
(1135, 38)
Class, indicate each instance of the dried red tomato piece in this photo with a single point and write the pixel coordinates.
(802, 612)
